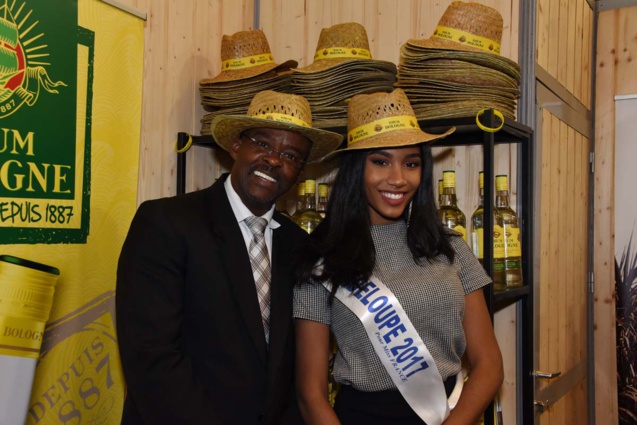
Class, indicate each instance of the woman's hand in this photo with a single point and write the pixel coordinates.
(312, 357)
(485, 360)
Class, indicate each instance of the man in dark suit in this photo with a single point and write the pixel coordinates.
(205, 334)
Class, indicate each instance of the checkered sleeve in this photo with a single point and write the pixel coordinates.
(311, 302)
(472, 274)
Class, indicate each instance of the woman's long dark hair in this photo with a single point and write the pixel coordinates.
(343, 239)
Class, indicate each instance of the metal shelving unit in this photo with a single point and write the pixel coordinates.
(468, 133)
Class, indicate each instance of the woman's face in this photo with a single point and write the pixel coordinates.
(392, 177)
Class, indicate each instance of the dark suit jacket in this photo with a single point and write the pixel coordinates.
(188, 321)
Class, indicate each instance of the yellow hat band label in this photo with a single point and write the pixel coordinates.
(247, 62)
(20, 337)
(385, 125)
(467, 39)
(288, 119)
(342, 52)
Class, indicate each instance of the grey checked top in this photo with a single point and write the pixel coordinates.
(432, 295)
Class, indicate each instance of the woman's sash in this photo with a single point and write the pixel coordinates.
(400, 349)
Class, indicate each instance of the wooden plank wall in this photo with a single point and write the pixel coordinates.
(563, 259)
(564, 31)
(182, 46)
(616, 68)
(564, 50)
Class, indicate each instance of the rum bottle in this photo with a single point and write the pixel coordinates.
(511, 228)
(477, 239)
(300, 202)
(310, 218)
(449, 212)
(321, 206)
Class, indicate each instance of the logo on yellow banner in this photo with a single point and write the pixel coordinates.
(44, 147)
(23, 60)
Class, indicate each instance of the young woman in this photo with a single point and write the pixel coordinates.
(399, 291)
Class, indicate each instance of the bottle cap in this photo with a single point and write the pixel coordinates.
(481, 179)
(449, 178)
(501, 183)
(310, 186)
(322, 190)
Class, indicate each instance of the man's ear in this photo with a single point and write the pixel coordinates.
(234, 149)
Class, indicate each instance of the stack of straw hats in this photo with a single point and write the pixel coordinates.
(342, 67)
(458, 71)
(247, 68)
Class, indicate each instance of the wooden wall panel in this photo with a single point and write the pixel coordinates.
(564, 29)
(562, 274)
(182, 46)
(626, 50)
(615, 70)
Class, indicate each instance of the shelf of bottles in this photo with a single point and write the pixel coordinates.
(469, 133)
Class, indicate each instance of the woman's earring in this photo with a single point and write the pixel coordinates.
(411, 203)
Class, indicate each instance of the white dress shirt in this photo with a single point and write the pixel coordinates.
(241, 212)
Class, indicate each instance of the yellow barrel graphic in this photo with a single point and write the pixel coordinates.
(26, 297)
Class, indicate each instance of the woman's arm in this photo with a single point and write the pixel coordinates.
(312, 356)
(485, 360)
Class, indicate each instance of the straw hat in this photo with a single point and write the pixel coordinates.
(384, 120)
(339, 44)
(246, 54)
(270, 109)
(467, 26)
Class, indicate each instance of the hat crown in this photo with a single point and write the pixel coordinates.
(243, 44)
(474, 18)
(349, 34)
(367, 108)
(271, 102)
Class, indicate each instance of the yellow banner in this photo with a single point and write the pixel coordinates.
(404, 122)
(457, 36)
(342, 52)
(247, 62)
(288, 119)
(78, 379)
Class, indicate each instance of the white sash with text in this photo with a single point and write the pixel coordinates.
(401, 350)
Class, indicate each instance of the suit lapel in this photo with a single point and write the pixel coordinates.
(236, 261)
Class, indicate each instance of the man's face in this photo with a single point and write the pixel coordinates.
(259, 176)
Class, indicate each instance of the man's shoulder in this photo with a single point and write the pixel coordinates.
(288, 226)
(183, 206)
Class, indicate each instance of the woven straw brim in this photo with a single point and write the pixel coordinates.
(212, 99)
(460, 109)
(458, 72)
(206, 120)
(240, 74)
(394, 139)
(411, 53)
(327, 64)
(226, 130)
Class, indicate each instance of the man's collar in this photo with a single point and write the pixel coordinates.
(241, 212)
